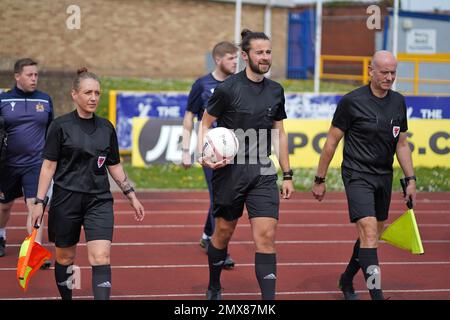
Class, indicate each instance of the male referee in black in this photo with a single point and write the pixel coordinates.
(251, 105)
(373, 120)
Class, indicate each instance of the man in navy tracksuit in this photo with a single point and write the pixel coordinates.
(27, 114)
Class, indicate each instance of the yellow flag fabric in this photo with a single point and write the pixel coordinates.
(404, 233)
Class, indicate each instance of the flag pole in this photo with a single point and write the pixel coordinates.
(318, 49)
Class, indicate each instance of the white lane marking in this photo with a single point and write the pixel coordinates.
(235, 294)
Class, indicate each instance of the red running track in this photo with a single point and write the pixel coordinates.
(160, 258)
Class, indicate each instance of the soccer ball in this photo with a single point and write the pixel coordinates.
(220, 143)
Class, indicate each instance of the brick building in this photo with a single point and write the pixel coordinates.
(142, 38)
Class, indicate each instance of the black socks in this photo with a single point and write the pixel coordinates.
(353, 266)
(368, 260)
(216, 259)
(266, 273)
(63, 277)
(101, 282)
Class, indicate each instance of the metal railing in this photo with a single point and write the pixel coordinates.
(416, 59)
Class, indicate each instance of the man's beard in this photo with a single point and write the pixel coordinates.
(254, 67)
(225, 70)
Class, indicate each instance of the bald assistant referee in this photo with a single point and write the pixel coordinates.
(373, 120)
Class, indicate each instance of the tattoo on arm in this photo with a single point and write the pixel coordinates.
(124, 185)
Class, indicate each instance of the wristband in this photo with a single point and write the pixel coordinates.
(410, 178)
(289, 173)
(128, 191)
(319, 180)
(38, 200)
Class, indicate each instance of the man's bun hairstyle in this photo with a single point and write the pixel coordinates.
(247, 36)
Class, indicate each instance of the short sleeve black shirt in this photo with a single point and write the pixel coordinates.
(372, 127)
(241, 104)
(82, 148)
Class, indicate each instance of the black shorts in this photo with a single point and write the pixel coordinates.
(235, 185)
(18, 181)
(368, 195)
(70, 210)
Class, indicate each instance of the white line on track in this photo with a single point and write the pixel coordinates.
(189, 243)
(236, 294)
(287, 211)
(280, 264)
(301, 201)
(187, 200)
(246, 225)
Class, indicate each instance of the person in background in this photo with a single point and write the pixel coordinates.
(27, 114)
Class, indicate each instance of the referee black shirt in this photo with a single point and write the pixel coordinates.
(372, 128)
(83, 148)
(240, 103)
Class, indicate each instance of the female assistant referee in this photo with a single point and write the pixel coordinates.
(79, 151)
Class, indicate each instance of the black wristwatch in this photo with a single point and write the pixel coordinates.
(319, 180)
(410, 178)
(38, 200)
(128, 191)
(288, 175)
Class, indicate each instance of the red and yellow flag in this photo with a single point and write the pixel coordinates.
(31, 256)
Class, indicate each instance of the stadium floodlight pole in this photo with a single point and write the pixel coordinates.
(318, 46)
(395, 35)
(237, 29)
(268, 24)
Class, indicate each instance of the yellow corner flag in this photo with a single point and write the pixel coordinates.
(403, 233)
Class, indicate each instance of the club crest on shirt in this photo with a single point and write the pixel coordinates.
(395, 131)
(40, 107)
(101, 161)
